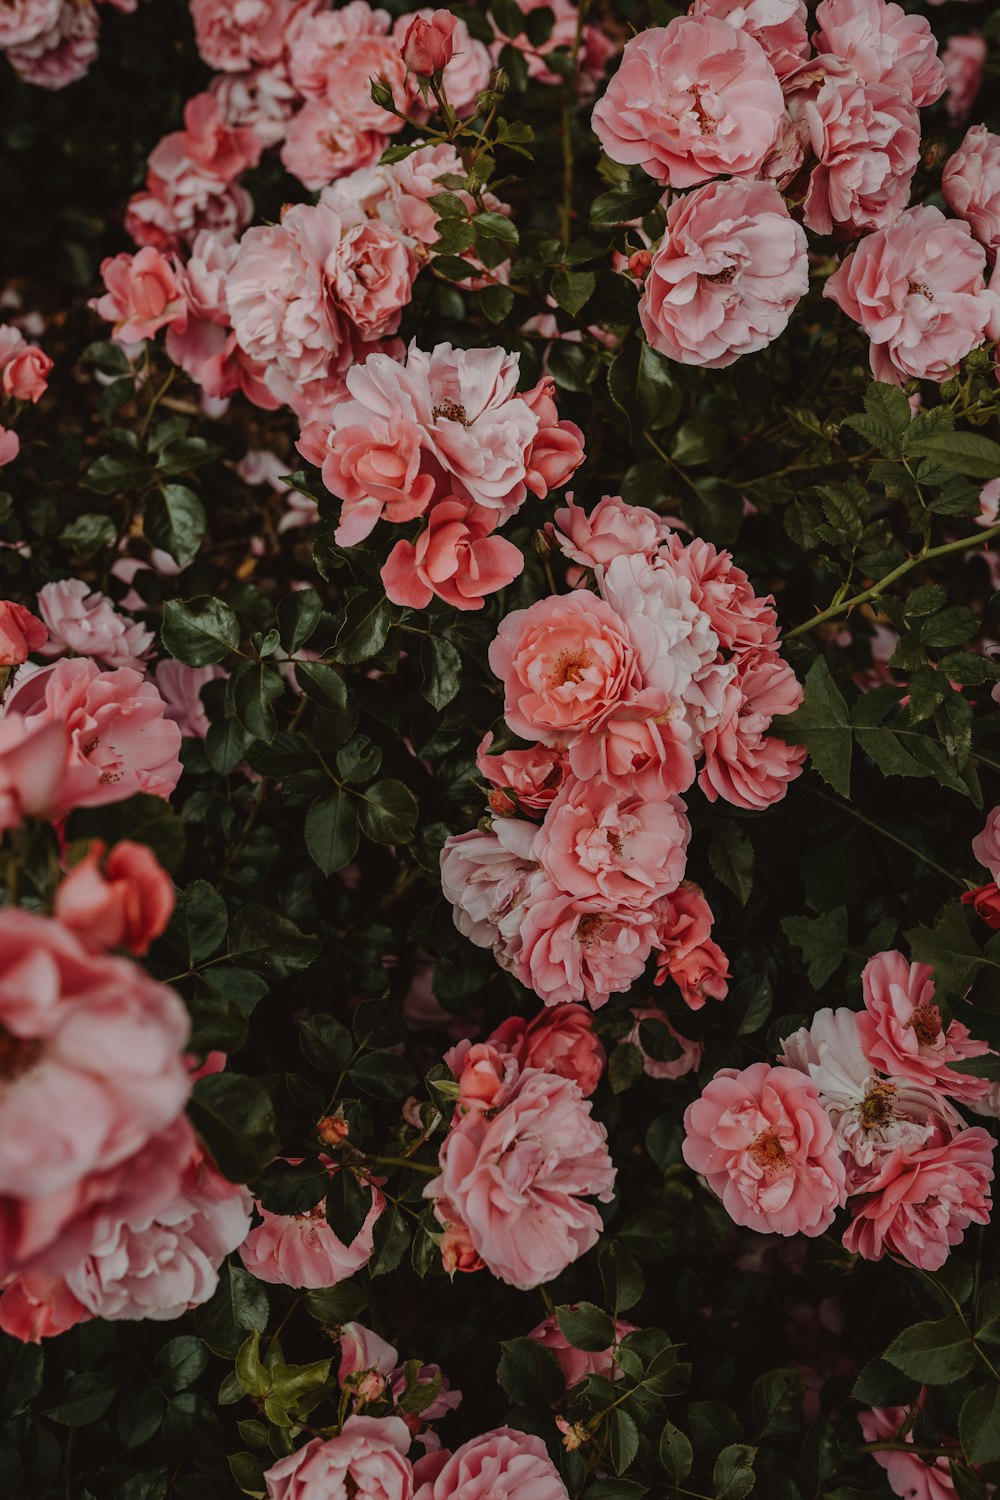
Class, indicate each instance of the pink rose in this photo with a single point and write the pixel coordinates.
(374, 468)
(35, 1307)
(556, 451)
(454, 558)
(120, 737)
(764, 1142)
(428, 43)
(901, 1030)
(333, 54)
(482, 1073)
(918, 291)
(20, 632)
(921, 1202)
(95, 1084)
(232, 34)
(10, 445)
(301, 1250)
(397, 193)
(963, 59)
(499, 1465)
(142, 295)
(644, 746)
(561, 1040)
(985, 902)
(24, 20)
(368, 1457)
(727, 275)
(125, 904)
(63, 54)
(38, 778)
(533, 776)
(565, 663)
(516, 1179)
(371, 277)
(89, 625)
(688, 1057)
(970, 183)
(690, 101)
(24, 368)
(466, 70)
(598, 844)
(261, 99)
(320, 144)
(744, 765)
(485, 876)
(577, 1364)
(686, 951)
(880, 43)
(180, 688)
(742, 620)
(986, 845)
(778, 25)
(909, 1474)
(571, 949)
(612, 529)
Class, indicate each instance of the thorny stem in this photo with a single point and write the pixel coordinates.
(569, 92)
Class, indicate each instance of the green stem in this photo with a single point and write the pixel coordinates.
(925, 555)
(402, 1161)
(893, 837)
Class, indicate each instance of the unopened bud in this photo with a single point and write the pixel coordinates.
(639, 263)
(332, 1130)
(979, 360)
(370, 1385)
(502, 803)
(485, 101)
(500, 81)
(950, 390)
(382, 94)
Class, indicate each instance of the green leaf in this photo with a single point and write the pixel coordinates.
(366, 621)
(622, 204)
(572, 290)
(934, 1353)
(979, 1425)
(676, 1453)
(733, 1475)
(441, 671)
(392, 1239)
(234, 1116)
(529, 1373)
(822, 723)
(958, 452)
(730, 853)
(298, 616)
(292, 1189)
(622, 1276)
(175, 522)
(200, 922)
(776, 1403)
(881, 1384)
(382, 1075)
(322, 683)
(114, 473)
(624, 1436)
(83, 1400)
(331, 830)
(326, 1043)
(238, 1306)
(822, 941)
(88, 533)
(585, 1326)
(713, 1426)
(348, 1204)
(389, 813)
(251, 1372)
(143, 818)
(256, 688)
(886, 419)
(948, 947)
(267, 940)
(625, 1066)
(643, 385)
(200, 631)
(21, 1370)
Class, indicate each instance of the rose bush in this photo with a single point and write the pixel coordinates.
(499, 770)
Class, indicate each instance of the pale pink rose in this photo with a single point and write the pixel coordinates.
(430, 35)
(598, 844)
(921, 1202)
(778, 25)
(24, 368)
(122, 901)
(611, 529)
(744, 765)
(500, 1465)
(371, 275)
(20, 632)
(397, 193)
(326, 47)
(866, 139)
(321, 143)
(556, 450)
(644, 746)
(95, 1082)
(38, 778)
(901, 1030)
(673, 637)
(593, 47)
(764, 1142)
(10, 445)
(909, 1474)
(362, 1352)
(742, 620)
(368, 1457)
(577, 1364)
(690, 101)
(483, 1073)
(576, 949)
(484, 876)
(23, 20)
(566, 663)
(561, 1040)
(534, 776)
(963, 59)
(688, 1058)
(65, 53)
(118, 730)
(727, 275)
(232, 34)
(373, 466)
(262, 99)
(89, 625)
(142, 295)
(880, 43)
(301, 1250)
(985, 845)
(918, 291)
(686, 952)
(516, 1179)
(970, 183)
(454, 558)
(180, 688)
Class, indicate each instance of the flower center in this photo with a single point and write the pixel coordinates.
(926, 1023)
(18, 1055)
(451, 411)
(706, 124)
(588, 929)
(876, 1108)
(920, 289)
(766, 1150)
(570, 667)
(723, 277)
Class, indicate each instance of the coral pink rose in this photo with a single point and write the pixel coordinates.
(190, 179)
(612, 529)
(644, 746)
(691, 101)
(20, 632)
(35, 1307)
(963, 58)
(565, 663)
(901, 1030)
(673, 637)
(742, 620)
(94, 1074)
(516, 1179)
(571, 949)
(89, 625)
(122, 901)
(371, 276)
(233, 34)
(556, 451)
(986, 845)
(918, 291)
(38, 778)
(375, 470)
(261, 99)
(778, 25)
(482, 1073)
(466, 71)
(909, 1474)
(597, 843)
(24, 368)
(970, 183)
(561, 1040)
(744, 765)
(116, 724)
(301, 1250)
(10, 445)
(688, 1056)
(765, 1143)
(428, 43)
(534, 776)
(921, 1202)
(454, 558)
(687, 954)
(321, 143)
(499, 1465)
(880, 43)
(368, 1457)
(727, 275)
(577, 1364)
(142, 295)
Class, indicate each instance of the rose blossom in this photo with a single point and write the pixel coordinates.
(596, 843)
(612, 529)
(142, 295)
(727, 275)
(534, 776)
(20, 632)
(644, 746)
(963, 59)
(745, 765)
(500, 1465)
(921, 1202)
(10, 445)
(125, 904)
(180, 688)
(880, 43)
(302, 1250)
(38, 778)
(466, 70)
(970, 183)
(397, 193)
(688, 1055)
(561, 1040)
(94, 1086)
(63, 54)
(232, 34)
(686, 952)
(577, 1364)
(565, 663)
(764, 1141)
(122, 742)
(454, 558)
(483, 1073)
(570, 948)
(24, 20)
(909, 1474)
(484, 876)
(515, 1181)
(985, 902)
(24, 368)
(261, 99)
(690, 101)
(367, 1457)
(986, 845)
(673, 638)
(89, 625)
(778, 25)
(901, 1029)
(742, 620)
(918, 291)
(428, 44)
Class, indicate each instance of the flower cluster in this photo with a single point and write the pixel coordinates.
(618, 692)
(860, 1111)
(24, 378)
(52, 43)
